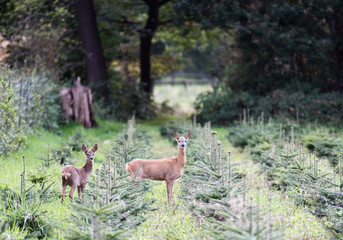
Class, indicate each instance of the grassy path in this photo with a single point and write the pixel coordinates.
(174, 222)
(166, 222)
(298, 222)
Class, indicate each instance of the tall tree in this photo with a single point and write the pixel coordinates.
(146, 35)
(95, 61)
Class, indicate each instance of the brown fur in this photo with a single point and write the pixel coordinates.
(168, 169)
(77, 176)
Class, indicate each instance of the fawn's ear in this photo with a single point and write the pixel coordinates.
(188, 134)
(176, 135)
(95, 148)
(84, 148)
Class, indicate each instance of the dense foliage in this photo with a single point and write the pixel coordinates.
(11, 136)
(26, 102)
(41, 35)
(23, 210)
(279, 44)
(224, 106)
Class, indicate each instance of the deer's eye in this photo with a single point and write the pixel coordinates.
(179, 141)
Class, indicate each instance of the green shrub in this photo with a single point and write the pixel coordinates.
(329, 148)
(23, 211)
(224, 106)
(27, 102)
(11, 135)
(240, 135)
(324, 146)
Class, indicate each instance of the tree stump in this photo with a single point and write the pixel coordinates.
(77, 104)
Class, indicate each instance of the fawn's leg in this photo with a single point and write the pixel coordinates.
(63, 190)
(71, 193)
(82, 187)
(169, 190)
(79, 191)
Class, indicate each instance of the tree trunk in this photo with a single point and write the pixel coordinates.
(147, 84)
(145, 51)
(95, 60)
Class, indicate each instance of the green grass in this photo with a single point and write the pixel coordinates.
(168, 222)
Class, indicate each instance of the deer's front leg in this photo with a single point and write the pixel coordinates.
(169, 190)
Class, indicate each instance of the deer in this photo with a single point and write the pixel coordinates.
(168, 169)
(78, 176)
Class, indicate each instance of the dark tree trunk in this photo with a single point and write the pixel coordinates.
(95, 61)
(146, 35)
(145, 51)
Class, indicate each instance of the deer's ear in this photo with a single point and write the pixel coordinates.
(95, 148)
(176, 135)
(188, 134)
(84, 148)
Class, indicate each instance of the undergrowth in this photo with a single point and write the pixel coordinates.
(302, 164)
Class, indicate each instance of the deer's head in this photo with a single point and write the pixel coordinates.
(182, 141)
(89, 153)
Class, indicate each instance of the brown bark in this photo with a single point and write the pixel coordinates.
(77, 104)
(95, 60)
(146, 35)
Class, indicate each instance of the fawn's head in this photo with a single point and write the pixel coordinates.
(89, 153)
(182, 141)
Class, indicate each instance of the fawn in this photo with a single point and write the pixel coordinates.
(168, 169)
(78, 176)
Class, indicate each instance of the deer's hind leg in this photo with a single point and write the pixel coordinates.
(71, 193)
(79, 191)
(64, 185)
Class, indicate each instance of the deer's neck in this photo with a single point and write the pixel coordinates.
(88, 167)
(181, 156)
